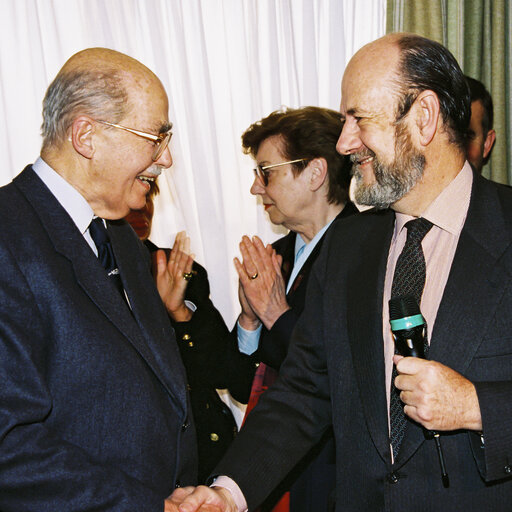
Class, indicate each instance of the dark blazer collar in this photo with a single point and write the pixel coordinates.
(91, 276)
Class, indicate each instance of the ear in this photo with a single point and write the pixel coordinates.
(490, 138)
(81, 138)
(318, 173)
(427, 112)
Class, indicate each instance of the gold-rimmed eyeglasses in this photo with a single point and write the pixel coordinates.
(262, 171)
(161, 140)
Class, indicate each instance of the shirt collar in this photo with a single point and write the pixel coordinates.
(449, 209)
(71, 200)
(300, 244)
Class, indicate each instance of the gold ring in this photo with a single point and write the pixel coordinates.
(187, 276)
(254, 276)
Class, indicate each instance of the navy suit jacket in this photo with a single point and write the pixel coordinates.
(94, 413)
(334, 374)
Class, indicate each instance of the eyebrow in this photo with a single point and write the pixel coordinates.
(166, 127)
(357, 112)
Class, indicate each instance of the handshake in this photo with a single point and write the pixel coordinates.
(201, 499)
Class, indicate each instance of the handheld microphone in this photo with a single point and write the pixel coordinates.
(408, 326)
(409, 331)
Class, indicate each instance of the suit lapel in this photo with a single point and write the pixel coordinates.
(365, 288)
(89, 273)
(148, 309)
(475, 285)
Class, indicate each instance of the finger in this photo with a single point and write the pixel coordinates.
(186, 245)
(276, 262)
(409, 365)
(248, 263)
(189, 261)
(177, 239)
(180, 493)
(242, 272)
(161, 262)
(263, 252)
(202, 496)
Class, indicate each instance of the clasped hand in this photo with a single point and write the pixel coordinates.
(200, 499)
(170, 277)
(436, 396)
(261, 290)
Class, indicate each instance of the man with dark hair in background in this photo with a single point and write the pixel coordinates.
(481, 136)
(94, 408)
(440, 229)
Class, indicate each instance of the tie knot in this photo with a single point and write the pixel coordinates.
(417, 229)
(98, 231)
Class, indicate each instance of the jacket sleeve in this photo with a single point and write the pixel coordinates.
(291, 416)
(209, 350)
(274, 343)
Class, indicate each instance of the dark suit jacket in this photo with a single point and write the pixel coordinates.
(334, 374)
(93, 404)
(311, 482)
(211, 363)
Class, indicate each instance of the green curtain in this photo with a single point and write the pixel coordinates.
(477, 32)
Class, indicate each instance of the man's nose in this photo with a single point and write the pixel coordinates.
(257, 187)
(349, 140)
(165, 159)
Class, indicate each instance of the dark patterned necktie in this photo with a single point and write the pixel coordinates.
(408, 279)
(99, 234)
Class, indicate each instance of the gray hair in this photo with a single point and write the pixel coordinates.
(96, 93)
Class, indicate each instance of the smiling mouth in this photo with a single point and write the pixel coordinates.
(364, 160)
(146, 179)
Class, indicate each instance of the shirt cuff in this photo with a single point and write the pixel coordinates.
(190, 305)
(248, 341)
(232, 487)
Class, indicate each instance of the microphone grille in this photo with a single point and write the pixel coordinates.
(400, 307)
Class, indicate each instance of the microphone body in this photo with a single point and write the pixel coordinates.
(409, 331)
(408, 326)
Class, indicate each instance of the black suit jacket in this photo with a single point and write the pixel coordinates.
(211, 363)
(94, 412)
(334, 374)
(312, 480)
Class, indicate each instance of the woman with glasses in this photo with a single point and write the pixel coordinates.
(303, 184)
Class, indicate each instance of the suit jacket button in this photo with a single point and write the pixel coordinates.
(508, 469)
(177, 484)
(393, 478)
(184, 426)
(185, 337)
(214, 436)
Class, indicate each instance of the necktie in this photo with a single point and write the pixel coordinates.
(99, 234)
(408, 279)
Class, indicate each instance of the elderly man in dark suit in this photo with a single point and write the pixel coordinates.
(94, 411)
(407, 109)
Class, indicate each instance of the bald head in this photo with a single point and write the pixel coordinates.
(92, 82)
(420, 64)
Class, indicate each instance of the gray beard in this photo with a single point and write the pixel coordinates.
(392, 182)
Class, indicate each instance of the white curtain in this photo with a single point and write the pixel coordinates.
(224, 63)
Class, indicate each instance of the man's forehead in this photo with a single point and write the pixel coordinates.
(368, 86)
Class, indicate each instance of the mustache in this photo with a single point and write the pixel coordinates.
(356, 157)
(155, 170)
